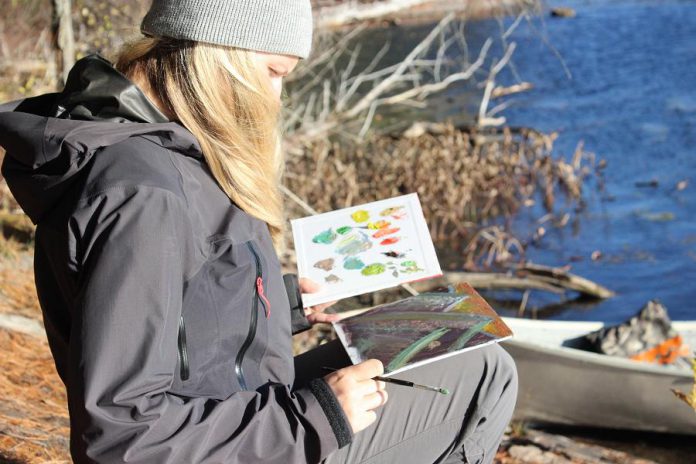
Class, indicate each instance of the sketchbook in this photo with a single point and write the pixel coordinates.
(421, 329)
(364, 248)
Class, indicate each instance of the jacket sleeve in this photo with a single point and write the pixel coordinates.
(133, 246)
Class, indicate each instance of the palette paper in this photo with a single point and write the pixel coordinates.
(421, 329)
(364, 248)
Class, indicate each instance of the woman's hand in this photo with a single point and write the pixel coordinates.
(316, 314)
(358, 394)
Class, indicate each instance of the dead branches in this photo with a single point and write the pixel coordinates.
(330, 101)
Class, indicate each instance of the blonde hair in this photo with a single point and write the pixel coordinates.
(219, 95)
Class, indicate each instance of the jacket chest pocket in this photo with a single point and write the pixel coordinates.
(223, 332)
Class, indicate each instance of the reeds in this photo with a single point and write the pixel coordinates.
(471, 183)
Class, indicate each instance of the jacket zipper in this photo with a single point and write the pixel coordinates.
(258, 296)
(183, 351)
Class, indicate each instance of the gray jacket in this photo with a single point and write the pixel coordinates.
(163, 302)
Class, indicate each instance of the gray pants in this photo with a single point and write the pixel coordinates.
(421, 427)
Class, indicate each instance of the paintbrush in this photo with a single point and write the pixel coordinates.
(404, 383)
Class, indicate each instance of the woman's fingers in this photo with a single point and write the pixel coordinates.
(318, 308)
(315, 313)
(321, 307)
(368, 387)
(366, 369)
(308, 285)
(325, 318)
(358, 393)
(375, 400)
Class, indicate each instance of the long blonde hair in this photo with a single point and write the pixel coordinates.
(219, 95)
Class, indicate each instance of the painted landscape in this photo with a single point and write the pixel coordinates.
(421, 329)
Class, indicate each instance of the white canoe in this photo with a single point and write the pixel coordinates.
(563, 385)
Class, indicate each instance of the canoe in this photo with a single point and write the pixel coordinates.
(560, 384)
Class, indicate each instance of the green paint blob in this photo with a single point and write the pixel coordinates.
(327, 237)
(373, 269)
(353, 263)
(344, 230)
(444, 391)
(409, 264)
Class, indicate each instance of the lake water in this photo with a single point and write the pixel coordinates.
(626, 86)
(632, 99)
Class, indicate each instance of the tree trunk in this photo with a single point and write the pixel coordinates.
(65, 38)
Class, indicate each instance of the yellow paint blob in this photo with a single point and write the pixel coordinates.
(360, 215)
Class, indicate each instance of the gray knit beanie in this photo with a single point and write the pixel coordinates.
(273, 26)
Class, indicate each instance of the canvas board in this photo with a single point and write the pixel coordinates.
(421, 329)
(364, 248)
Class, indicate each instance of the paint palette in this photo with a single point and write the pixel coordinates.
(364, 248)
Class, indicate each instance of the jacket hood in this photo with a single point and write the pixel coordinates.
(50, 138)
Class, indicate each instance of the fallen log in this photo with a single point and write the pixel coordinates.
(561, 277)
(339, 15)
(526, 277)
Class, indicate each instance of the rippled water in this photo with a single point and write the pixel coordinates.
(632, 99)
(626, 86)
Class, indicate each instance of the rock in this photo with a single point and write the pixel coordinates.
(652, 183)
(563, 12)
(533, 455)
(22, 324)
(577, 452)
(17, 226)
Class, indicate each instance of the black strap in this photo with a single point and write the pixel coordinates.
(298, 318)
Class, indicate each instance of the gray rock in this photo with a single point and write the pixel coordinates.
(533, 455)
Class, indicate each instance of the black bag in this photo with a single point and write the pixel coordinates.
(647, 336)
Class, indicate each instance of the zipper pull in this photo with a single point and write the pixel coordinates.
(266, 303)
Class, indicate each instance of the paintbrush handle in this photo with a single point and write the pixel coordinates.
(404, 383)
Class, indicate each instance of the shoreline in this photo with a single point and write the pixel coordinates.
(413, 12)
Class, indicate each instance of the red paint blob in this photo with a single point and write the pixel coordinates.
(389, 241)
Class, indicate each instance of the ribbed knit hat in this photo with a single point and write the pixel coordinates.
(273, 26)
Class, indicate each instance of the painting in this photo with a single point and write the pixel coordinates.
(364, 248)
(421, 329)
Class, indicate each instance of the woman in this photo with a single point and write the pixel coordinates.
(154, 187)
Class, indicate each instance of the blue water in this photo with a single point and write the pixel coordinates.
(631, 98)
(625, 84)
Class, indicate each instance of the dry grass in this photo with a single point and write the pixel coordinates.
(33, 412)
(18, 293)
(688, 398)
(34, 423)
